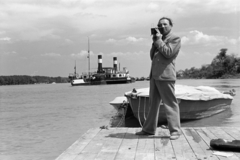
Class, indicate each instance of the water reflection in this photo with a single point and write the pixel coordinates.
(215, 120)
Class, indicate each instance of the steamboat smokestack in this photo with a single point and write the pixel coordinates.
(115, 63)
(99, 64)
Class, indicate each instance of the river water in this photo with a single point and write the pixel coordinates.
(39, 122)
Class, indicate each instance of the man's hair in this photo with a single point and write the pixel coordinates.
(169, 20)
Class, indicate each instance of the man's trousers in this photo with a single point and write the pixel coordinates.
(162, 91)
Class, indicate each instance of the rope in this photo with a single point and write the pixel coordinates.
(144, 115)
(123, 106)
(139, 112)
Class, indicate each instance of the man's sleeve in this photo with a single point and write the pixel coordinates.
(152, 51)
(170, 48)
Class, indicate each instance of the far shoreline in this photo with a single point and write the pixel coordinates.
(226, 76)
(19, 79)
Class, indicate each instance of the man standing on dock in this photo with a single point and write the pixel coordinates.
(165, 48)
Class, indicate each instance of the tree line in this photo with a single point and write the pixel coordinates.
(222, 66)
(24, 79)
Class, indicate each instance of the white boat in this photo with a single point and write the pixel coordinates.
(79, 82)
(120, 104)
(194, 102)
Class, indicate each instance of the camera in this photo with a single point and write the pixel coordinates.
(153, 31)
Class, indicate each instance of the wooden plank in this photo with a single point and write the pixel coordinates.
(97, 142)
(182, 148)
(207, 136)
(128, 147)
(79, 145)
(145, 148)
(206, 146)
(84, 156)
(220, 133)
(237, 128)
(199, 146)
(112, 143)
(163, 146)
(233, 132)
(94, 146)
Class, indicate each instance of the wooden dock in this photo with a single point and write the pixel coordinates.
(123, 144)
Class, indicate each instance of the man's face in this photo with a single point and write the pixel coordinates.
(164, 26)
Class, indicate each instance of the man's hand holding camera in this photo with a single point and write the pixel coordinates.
(156, 34)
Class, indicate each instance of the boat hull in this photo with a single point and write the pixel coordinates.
(116, 81)
(189, 110)
(120, 103)
(79, 82)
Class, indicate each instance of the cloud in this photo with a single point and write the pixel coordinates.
(152, 7)
(184, 7)
(126, 40)
(202, 53)
(197, 37)
(234, 41)
(127, 53)
(193, 53)
(51, 55)
(81, 54)
(88, 2)
(111, 40)
(68, 41)
(182, 53)
(69, 1)
(11, 53)
(133, 39)
(34, 20)
(5, 39)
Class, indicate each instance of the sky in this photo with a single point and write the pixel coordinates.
(47, 37)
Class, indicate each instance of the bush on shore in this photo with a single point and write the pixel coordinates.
(222, 66)
(23, 79)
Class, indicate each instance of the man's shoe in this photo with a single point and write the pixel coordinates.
(142, 133)
(174, 137)
(164, 127)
